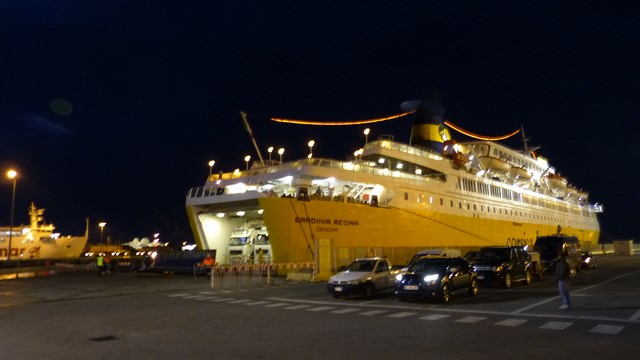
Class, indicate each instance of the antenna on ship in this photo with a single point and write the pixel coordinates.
(253, 139)
(525, 143)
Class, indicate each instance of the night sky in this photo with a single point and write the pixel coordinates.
(111, 110)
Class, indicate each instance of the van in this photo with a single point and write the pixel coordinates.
(549, 248)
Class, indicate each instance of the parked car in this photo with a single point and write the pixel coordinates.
(469, 255)
(364, 277)
(550, 247)
(588, 261)
(503, 265)
(437, 277)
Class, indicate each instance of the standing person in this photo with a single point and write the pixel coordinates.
(563, 276)
(100, 263)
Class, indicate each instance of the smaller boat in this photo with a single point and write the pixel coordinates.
(38, 241)
(493, 164)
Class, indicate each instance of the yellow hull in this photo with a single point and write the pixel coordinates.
(295, 227)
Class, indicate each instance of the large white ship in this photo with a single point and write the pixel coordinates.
(390, 199)
(38, 240)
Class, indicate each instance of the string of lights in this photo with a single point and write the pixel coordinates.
(391, 117)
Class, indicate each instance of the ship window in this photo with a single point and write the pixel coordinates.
(451, 203)
(406, 196)
(474, 207)
(460, 205)
(441, 201)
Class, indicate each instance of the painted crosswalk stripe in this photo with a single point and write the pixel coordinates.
(556, 325)
(192, 296)
(239, 301)
(471, 319)
(321, 308)
(257, 303)
(373, 312)
(223, 299)
(276, 305)
(179, 295)
(208, 298)
(345, 311)
(606, 329)
(401, 314)
(435, 317)
(296, 307)
(511, 322)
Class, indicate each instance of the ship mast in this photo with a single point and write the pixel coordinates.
(253, 139)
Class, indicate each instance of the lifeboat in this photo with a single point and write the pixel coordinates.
(555, 182)
(494, 164)
(519, 173)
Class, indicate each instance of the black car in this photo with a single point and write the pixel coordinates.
(503, 265)
(437, 278)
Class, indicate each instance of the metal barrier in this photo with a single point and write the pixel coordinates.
(243, 275)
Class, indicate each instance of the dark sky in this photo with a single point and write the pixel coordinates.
(112, 109)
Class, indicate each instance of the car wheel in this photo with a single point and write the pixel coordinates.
(506, 282)
(537, 271)
(367, 293)
(528, 279)
(445, 294)
(473, 287)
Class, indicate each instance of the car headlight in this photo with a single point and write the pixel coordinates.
(399, 277)
(431, 278)
(497, 268)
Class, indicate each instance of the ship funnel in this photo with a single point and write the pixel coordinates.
(428, 128)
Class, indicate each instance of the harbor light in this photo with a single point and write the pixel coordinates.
(13, 175)
(270, 150)
(366, 135)
(280, 152)
(311, 143)
(211, 163)
(246, 160)
(101, 225)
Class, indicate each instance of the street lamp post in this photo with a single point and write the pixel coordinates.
(270, 150)
(102, 224)
(280, 152)
(211, 163)
(246, 160)
(13, 175)
(366, 135)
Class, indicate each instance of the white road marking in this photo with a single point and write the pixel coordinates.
(471, 319)
(606, 329)
(345, 311)
(321, 308)
(257, 303)
(435, 317)
(511, 322)
(635, 317)
(239, 301)
(556, 325)
(277, 305)
(296, 307)
(373, 312)
(401, 315)
(178, 295)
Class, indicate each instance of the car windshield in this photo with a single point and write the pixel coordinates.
(362, 265)
(548, 250)
(492, 254)
(428, 266)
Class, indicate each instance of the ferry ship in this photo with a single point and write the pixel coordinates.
(391, 199)
(39, 241)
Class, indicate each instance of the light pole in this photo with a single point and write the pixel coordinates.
(366, 135)
(102, 224)
(13, 175)
(246, 160)
(270, 150)
(311, 143)
(211, 163)
(280, 152)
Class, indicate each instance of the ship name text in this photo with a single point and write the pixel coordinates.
(326, 221)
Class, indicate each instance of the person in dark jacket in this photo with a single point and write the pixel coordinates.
(563, 276)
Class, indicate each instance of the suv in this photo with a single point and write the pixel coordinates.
(551, 246)
(504, 264)
(437, 277)
(363, 277)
